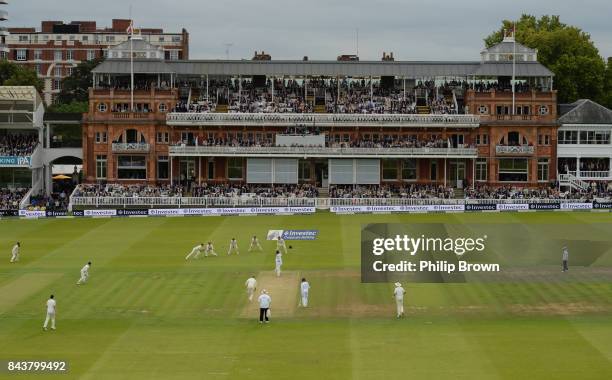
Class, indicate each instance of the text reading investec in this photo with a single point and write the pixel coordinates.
(404, 244)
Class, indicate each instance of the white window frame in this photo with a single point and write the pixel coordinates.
(543, 169)
(22, 55)
(101, 166)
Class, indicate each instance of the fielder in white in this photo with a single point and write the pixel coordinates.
(398, 294)
(251, 286)
(233, 247)
(304, 288)
(15, 252)
(51, 306)
(209, 249)
(84, 274)
(279, 262)
(195, 251)
(280, 244)
(255, 244)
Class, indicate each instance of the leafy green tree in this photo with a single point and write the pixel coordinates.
(12, 74)
(75, 88)
(566, 50)
(607, 98)
(72, 107)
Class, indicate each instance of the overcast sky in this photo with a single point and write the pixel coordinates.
(322, 29)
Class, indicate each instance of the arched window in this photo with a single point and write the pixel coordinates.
(513, 138)
(133, 136)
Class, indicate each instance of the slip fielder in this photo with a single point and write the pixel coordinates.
(195, 251)
(255, 244)
(233, 247)
(209, 249)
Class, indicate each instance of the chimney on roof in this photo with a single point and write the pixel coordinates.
(388, 57)
(305, 58)
(262, 56)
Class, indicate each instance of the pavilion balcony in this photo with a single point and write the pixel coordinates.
(322, 120)
(515, 149)
(322, 152)
(131, 148)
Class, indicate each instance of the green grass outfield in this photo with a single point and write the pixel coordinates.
(146, 313)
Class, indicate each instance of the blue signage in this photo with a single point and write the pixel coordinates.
(21, 161)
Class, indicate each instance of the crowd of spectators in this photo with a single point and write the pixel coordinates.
(120, 190)
(17, 144)
(596, 190)
(54, 202)
(10, 198)
(345, 96)
(408, 141)
(586, 164)
(272, 191)
(414, 191)
(59, 201)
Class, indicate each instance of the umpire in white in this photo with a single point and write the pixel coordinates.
(565, 258)
(264, 306)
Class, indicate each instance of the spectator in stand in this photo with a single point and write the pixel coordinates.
(17, 144)
(10, 198)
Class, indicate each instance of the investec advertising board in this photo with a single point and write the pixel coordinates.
(473, 207)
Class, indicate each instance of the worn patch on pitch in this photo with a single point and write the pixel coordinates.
(24, 286)
(283, 290)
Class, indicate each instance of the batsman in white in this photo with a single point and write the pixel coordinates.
(233, 247)
(51, 305)
(255, 244)
(15, 252)
(251, 286)
(304, 288)
(280, 244)
(279, 262)
(398, 294)
(195, 251)
(209, 250)
(84, 274)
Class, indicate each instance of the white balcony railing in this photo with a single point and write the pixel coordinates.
(281, 151)
(323, 119)
(591, 174)
(509, 149)
(131, 148)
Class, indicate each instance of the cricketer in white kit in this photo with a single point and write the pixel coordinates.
(195, 251)
(84, 274)
(51, 305)
(280, 244)
(304, 288)
(279, 263)
(233, 247)
(209, 250)
(15, 252)
(398, 294)
(255, 244)
(251, 286)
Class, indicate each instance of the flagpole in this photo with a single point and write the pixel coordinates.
(131, 61)
(513, 69)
